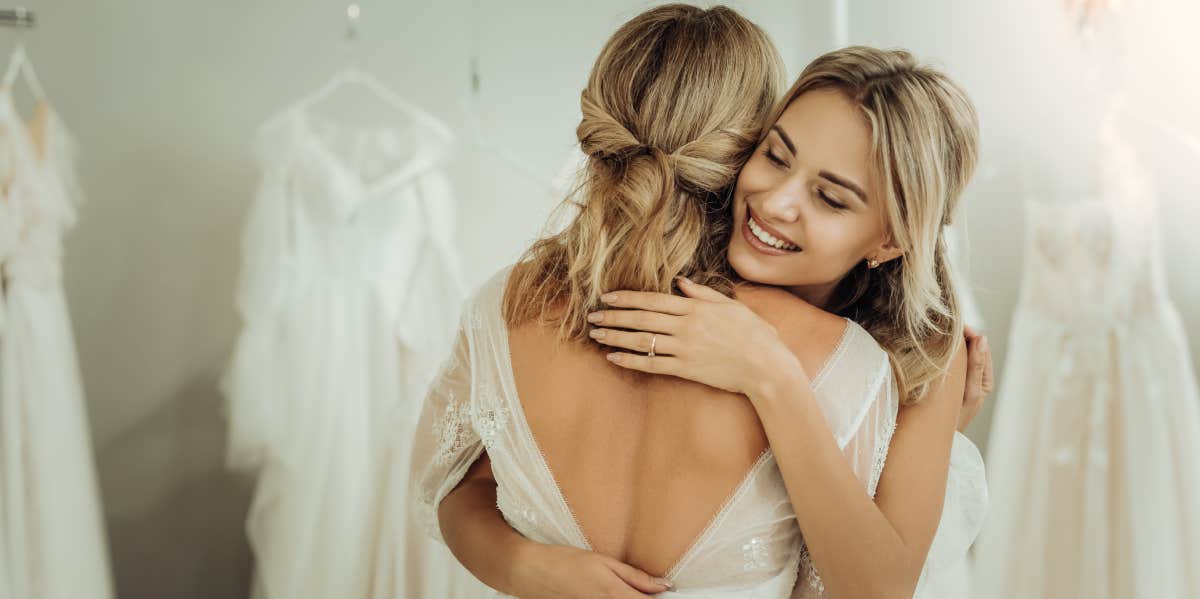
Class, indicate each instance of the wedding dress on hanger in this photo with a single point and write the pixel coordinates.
(52, 539)
(1094, 456)
(348, 293)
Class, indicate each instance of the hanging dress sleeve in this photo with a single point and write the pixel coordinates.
(251, 383)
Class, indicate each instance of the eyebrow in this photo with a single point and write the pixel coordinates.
(787, 141)
(837, 180)
(848, 184)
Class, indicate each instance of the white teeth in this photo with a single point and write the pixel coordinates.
(769, 239)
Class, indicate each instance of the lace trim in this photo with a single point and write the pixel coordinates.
(840, 349)
(518, 412)
(808, 572)
(719, 517)
(884, 442)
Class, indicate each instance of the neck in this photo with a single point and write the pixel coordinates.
(816, 295)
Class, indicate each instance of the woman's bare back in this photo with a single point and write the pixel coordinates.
(646, 461)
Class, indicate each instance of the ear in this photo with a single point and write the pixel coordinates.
(886, 251)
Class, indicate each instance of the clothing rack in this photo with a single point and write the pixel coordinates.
(17, 17)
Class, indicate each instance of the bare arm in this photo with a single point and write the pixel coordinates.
(862, 547)
(476, 533)
(503, 559)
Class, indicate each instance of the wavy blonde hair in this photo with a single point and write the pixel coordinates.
(925, 143)
(673, 108)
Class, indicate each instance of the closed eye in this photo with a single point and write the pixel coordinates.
(831, 202)
(777, 161)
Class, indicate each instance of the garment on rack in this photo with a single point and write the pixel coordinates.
(52, 540)
(1094, 456)
(348, 292)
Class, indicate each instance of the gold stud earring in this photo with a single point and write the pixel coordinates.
(872, 263)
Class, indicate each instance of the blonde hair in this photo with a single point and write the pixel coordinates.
(673, 108)
(925, 143)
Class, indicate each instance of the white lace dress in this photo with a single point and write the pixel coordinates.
(348, 293)
(52, 539)
(751, 548)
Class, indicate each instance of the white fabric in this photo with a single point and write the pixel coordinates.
(1094, 455)
(947, 573)
(348, 292)
(752, 548)
(52, 540)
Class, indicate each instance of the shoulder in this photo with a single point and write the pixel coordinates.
(812, 334)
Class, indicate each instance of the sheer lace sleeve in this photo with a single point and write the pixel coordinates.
(866, 451)
(963, 509)
(252, 382)
(445, 443)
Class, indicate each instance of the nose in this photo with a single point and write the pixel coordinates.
(781, 203)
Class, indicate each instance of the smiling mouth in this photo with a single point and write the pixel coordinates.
(763, 240)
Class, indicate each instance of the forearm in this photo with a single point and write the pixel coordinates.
(479, 537)
(856, 549)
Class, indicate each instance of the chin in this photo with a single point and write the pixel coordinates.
(743, 262)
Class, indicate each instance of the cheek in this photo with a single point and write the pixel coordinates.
(838, 243)
(753, 178)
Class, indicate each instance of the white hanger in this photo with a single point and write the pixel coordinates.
(352, 74)
(18, 64)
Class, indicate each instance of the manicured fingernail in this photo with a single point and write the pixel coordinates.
(682, 278)
(608, 298)
(595, 317)
(614, 357)
(596, 333)
(664, 582)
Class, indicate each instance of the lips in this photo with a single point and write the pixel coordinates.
(764, 226)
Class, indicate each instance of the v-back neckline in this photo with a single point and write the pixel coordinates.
(722, 510)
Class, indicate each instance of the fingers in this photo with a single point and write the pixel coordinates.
(655, 365)
(978, 383)
(698, 291)
(987, 381)
(639, 320)
(636, 341)
(648, 300)
(638, 579)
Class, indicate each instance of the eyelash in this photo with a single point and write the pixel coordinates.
(777, 161)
